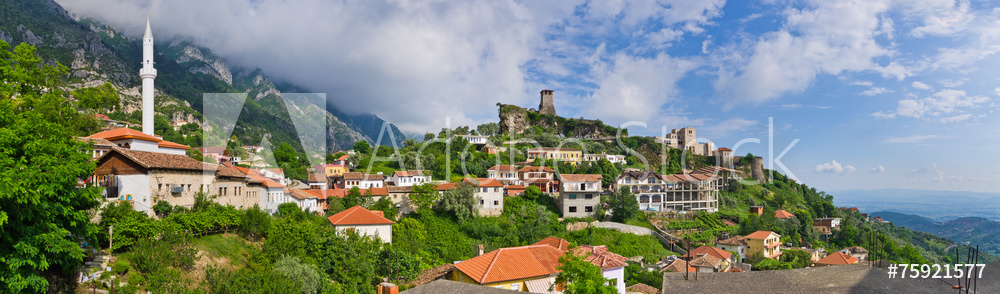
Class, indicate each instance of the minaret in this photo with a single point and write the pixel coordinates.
(147, 73)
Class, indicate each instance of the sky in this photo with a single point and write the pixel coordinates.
(874, 94)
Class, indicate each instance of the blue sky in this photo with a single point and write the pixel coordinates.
(880, 94)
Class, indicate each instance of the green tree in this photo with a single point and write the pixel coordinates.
(624, 206)
(42, 212)
(255, 223)
(306, 275)
(362, 147)
(100, 97)
(386, 206)
(425, 196)
(582, 277)
(162, 208)
(532, 193)
(461, 202)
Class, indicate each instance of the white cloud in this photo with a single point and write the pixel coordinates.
(635, 88)
(834, 167)
(944, 102)
(875, 91)
(878, 169)
(997, 91)
(863, 83)
(791, 106)
(911, 139)
(925, 174)
(826, 37)
(949, 83)
(921, 86)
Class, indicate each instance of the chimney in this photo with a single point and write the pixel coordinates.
(387, 288)
(480, 249)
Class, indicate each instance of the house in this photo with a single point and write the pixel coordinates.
(331, 169)
(556, 242)
(765, 242)
(407, 178)
(736, 244)
(306, 201)
(679, 265)
(237, 188)
(270, 193)
(579, 195)
(758, 210)
(612, 265)
(641, 288)
(274, 174)
(317, 181)
(144, 177)
(363, 180)
(856, 251)
(713, 259)
(539, 176)
(686, 139)
(824, 232)
(837, 258)
(506, 174)
(866, 217)
(680, 192)
(722, 175)
(831, 222)
(609, 157)
(529, 268)
(490, 194)
(446, 286)
(513, 190)
(130, 139)
(475, 140)
(815, 254)
(782, 214)
(101, 146)
(363, 222)
(570, 155)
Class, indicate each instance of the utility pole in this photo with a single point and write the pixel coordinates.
(111, 240)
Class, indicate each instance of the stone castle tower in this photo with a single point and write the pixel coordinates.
(546, 106)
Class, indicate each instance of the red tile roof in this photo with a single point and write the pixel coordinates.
(709, 250)
(340, 193)
(536, 169)
(580, 178)
(678, 266)
(555, 242)
(446, 186)
(358, 216)
(734, 241)
(514, 263)
(127, 133)
(783, 214)
(642, 288)
(301, 194)
(363, 176)
(515, 187)
(838, 258)
(760, 235)
(156, 160)
(503, 168)
(480, 182)
(402, 173)
(600, 256)
(723, 149)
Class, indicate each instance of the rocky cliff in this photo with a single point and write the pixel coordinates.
(517, 120)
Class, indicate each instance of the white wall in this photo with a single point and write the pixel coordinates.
(174, 151)
(619, 275)
(382, 231)
(138, 186)
(492, 194)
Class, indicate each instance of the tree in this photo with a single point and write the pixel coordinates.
(162, 208)
(303, 274)
(386, 206)
(425, 196)
(532, 193)
(624, 206)
(42, 212)
(362, 147)
(582, 277)
(461, 202)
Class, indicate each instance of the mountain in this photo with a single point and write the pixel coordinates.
(970, 230)
(98, 54)
(936, 205)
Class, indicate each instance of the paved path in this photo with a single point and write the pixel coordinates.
(636, 230)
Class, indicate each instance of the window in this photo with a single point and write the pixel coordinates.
(515, 286)
(588, 196)
(159, 187)
(572, 196)
(572, 209)
(588, 209)
(498, 286)
(481, 202)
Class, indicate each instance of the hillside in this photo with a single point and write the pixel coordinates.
(970, 230)
(97, 54)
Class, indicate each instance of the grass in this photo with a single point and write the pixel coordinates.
(224, 245)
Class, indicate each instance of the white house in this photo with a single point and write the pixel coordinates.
(305, 200)
(490, 194)
(407, 178)
(363, 180)
(364, 222)
(476, 140)
(506, 174)
(612, 265)
(736, 244)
